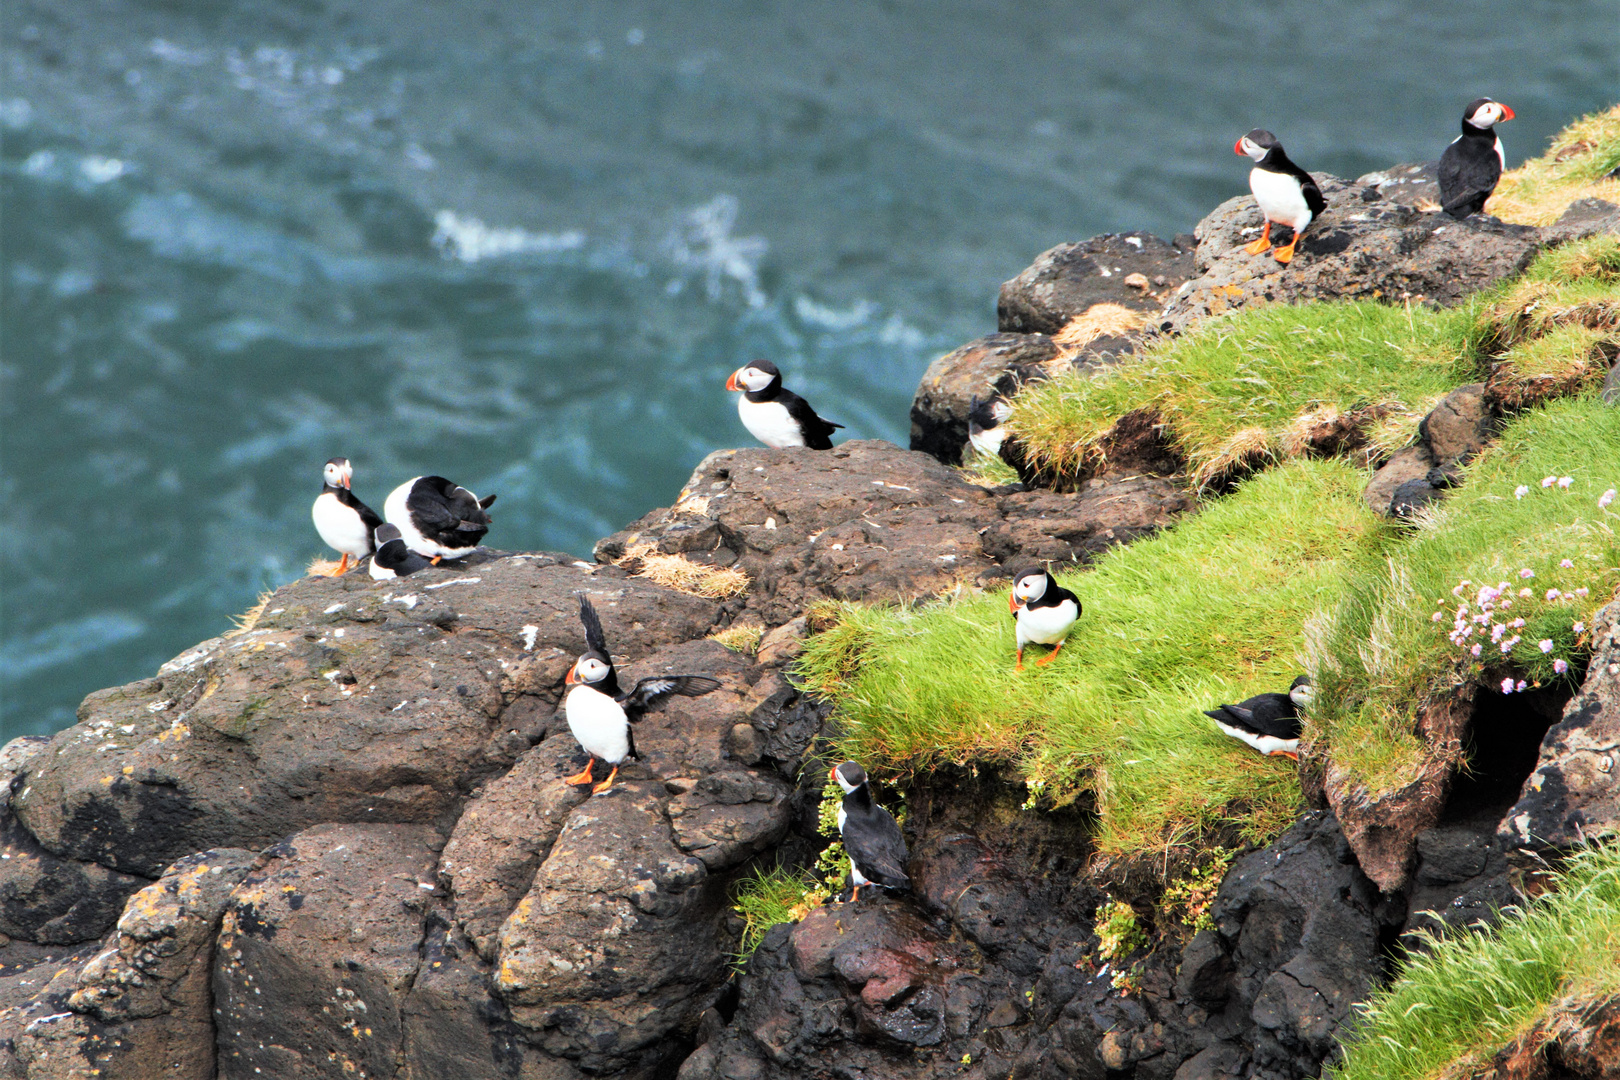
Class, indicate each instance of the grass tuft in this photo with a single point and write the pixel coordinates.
(1207, 611)
(740, 637)
(241, 624)
(319, 567)
(770, 897)
(987, 470)
(1466, 997)
(682, 574)
(1099, 320)
(1240, 391)
(1540, 190)
(1383, 655)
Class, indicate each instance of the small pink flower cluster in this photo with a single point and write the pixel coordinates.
(1472, 624)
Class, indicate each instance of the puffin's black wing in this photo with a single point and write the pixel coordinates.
(649, 690)
(875, 845)
(817, 432)
(368, 516)
(441, 506)
(1469, 170)
(1313, 194)
(1263, 714)
(595, 640)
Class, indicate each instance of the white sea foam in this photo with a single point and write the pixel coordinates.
(470, 240)
(702, 243)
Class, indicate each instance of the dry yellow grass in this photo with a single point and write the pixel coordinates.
(241, 624)
(319, 567)
(1540, 190)
(682, 574)
(740, 637)
(1099, 320)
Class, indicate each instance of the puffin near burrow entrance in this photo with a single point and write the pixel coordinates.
(1268, 722)
(985, 433)
(437, 518)
(599, 714)
(1472, 164)
(1043, 613)
(872, 838)
(393, 559)
(774, 415)
(1286, 193)
(345, 523)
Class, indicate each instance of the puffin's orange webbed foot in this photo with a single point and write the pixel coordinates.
(1289, 754)
(343, 566)
(1262, 244)
(1051, 656)
(1285, 254)
(583, 776)
(604, 785)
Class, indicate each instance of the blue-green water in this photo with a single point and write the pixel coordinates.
(523, 245)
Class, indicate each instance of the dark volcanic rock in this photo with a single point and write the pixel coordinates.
(1064, 282)
(1416, 185)
(1456, 430)
(351, 700)
(1583, 218)
(993, 366)
(869, 521)
(1572, 794)
(52, 900)
(1355, 248)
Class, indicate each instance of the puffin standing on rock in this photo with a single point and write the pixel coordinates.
(1472, 164)
(1286, 193)
(344, 522)
(877, 851)
(392, 558)
(1043, 613)
(600, 714)
(774, 415)
(1268, 722)
(437, 518)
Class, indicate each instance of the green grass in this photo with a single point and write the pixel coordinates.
(1454, 1006)
(1208, 611)
(1541, 189)
(1381, 657)
(769, 897)
(1242, 391)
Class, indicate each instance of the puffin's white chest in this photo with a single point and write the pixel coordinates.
(1046, 625)
(1501, 158)
(598, 723)
(770, 422)
(1266, 744)
(397, 512)
(988, 442)
(381, 573)
(340, 526)
(1281, 198)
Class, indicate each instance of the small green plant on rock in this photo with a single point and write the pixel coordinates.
(1186, 901)
(770, 897)
(1118, 935)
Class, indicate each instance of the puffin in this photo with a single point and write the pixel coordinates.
(1267, 722)
(775, 415)
(1472, 164)
(600, 714)
(392, 558)
(437, 518)
(1286, 193)
(985, 415)
(877, 851)
(344, 522)
(1043, 612)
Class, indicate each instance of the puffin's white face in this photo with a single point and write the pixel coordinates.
(1250, 148)
(1302, 695)
(338, 473)
(1490, 113)
(752, 379)
(589, 669)
(1029, 587)
(855, 778)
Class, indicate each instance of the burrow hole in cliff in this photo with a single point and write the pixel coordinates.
(1503, 742)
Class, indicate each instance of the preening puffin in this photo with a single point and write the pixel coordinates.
(344, 522)
(774, 415)
(1472, 164)
(1043, 612)
(437, 518)
(1267, 722)
(1286, 193)
(392, 558)
(985, 433)
(877, 851)
(600, 714)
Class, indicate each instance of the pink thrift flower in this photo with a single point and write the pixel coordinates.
(1581, 591)
(1524, 594)
(1457, 591)
(1566, 564)
(1553, 594)
(1548, 481)
(1565, 481)
(1521, 491)
(1519, 685)
(1506, 604)
(1506, 647)
(1436, 617)
(1546, 644)
(1507, 686)
(1605, 499)
(1527, 573)
(1579, 628)
(1475, 650)
(1560, 666)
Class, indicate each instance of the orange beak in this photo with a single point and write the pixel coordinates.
(832, 774)
(1507, 113)
(568, 679)
(731, 383)
(345, 482)
(1237, 148)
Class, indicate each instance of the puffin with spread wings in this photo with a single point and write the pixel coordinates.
(599, 714)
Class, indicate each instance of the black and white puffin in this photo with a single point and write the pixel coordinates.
(1267, 722)
(600, 714)
(872, 839)
(345, 523)
(1043, 613)
(393, 559)
(775, 415)
(1472, 164)
(985, 433)
(1286, 193)
(437, 518)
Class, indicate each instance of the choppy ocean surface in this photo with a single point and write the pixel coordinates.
(523, 245)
